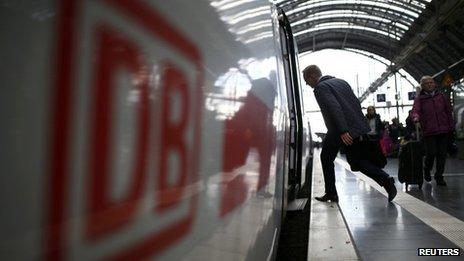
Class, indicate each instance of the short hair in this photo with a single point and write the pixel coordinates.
(312, 69)
(425, 77)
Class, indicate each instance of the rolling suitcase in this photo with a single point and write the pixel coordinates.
(410, 165)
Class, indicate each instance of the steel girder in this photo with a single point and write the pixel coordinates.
(431, 34)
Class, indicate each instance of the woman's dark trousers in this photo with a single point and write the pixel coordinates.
(435, 148)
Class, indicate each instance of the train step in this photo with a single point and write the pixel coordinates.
(297, 204)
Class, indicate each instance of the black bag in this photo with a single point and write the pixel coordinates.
(365, 148)
(410, 165)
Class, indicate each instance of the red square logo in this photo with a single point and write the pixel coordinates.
(126, 133)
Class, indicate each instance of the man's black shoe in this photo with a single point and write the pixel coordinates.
(440, 182)
(390, 188)
(327, 197)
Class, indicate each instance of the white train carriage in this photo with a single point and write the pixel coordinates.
(148, 129)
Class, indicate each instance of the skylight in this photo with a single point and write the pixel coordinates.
(387, 17)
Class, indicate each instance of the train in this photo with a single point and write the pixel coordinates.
(155, 129)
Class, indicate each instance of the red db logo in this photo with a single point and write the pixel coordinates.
(125, 133)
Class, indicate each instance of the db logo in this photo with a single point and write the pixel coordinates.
(125, 133)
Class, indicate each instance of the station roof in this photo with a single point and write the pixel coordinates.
(423, 37)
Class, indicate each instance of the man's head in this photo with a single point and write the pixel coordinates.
(427, 83)
(311, 75)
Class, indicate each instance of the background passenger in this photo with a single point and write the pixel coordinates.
(410, 131)
(395, 130)
(433, 110)
(374, 123)
(385, 141)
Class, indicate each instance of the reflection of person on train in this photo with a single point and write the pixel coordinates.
(346, 126)
(433, 110)
(252, 127)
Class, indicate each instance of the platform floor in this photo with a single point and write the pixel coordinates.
(374, 229)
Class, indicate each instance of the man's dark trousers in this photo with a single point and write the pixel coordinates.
(330, 148)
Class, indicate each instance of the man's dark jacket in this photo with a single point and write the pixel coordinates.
(340, 107)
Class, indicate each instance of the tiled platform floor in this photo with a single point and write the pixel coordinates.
(431, 217)
(450, 198)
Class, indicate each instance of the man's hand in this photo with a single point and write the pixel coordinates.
(346, 138)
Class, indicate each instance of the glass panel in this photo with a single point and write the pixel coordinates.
(345, 25)
(349, 14)
(385, 5)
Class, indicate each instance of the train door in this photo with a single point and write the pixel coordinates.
(306, 145)
(294, 107)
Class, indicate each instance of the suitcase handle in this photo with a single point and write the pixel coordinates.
(417, 130)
